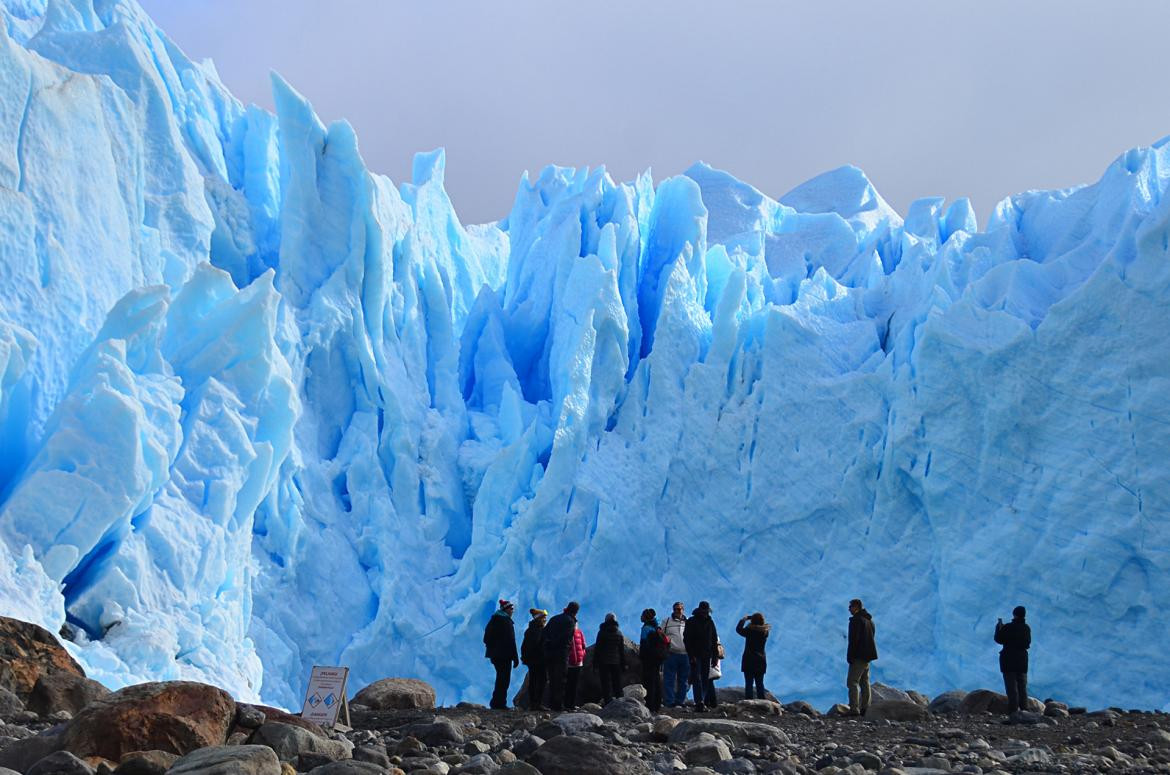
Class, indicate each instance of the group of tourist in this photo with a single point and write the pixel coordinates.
(684, 652)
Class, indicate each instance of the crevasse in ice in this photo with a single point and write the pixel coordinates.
(262, 409)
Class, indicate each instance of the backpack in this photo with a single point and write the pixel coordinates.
(656, 647)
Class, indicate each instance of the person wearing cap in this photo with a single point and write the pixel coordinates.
(1016, 639)
(676, 671)
(860, 652)
(532, 655)
(609, 658)
(702, 643)
(499, 640)
(556, 640)
(652, 650)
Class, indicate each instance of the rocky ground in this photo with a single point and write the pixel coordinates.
(55, 721)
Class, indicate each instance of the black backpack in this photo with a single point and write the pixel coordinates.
(655, 647)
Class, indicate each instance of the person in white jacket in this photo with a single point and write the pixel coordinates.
(677, 668)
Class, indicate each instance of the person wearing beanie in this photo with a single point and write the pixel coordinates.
(653, 647)
(609, 658)
(499, 640)
(1016, 639)
(754, 630)
(532, 655)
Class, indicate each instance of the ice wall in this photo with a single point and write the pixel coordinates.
(261, 409)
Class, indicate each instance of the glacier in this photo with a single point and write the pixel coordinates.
(261, 408)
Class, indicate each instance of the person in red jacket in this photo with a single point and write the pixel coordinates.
(573, 667)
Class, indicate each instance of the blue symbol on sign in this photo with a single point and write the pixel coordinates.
(329, 701)
(315, 700)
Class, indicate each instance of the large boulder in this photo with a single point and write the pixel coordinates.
(27, 652)
(290, 741)
(247, 718)
(25, 753)
(589, 680)
(731, 694)
(738, 732)
(881, 691)
(983, 701)
(60, 763)
(625, 709)
(64, 691)
(396, 693)
(438, 731)
(10, 704)
(147, 762)
(895, 710)
(228, 760)
(348, 767)
(947, 702)
(569, 755)
(174, 716)
(568, 724)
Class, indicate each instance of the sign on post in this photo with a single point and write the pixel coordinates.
(326, 696)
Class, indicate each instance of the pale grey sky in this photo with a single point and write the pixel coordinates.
(978, 98)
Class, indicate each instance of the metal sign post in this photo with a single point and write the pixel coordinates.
(325, 696)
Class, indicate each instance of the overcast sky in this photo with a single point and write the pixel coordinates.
(978, 98)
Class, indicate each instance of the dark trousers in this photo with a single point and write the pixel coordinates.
(702, 683)
(611, 681)
(1016, 685)
(536, 683)
(555, 668)
(572, 674)
(652, 680)
(503, 678)
(748, 680)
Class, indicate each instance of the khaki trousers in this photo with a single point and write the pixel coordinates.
(858, 678)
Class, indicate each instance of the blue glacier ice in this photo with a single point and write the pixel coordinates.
(261, 408)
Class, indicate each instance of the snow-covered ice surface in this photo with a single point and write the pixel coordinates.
(262, 409)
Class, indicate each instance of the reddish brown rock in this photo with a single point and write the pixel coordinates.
(176, 716)
(390, 693)
(27, 652)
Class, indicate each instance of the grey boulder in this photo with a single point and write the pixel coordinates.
(348, 767)
(738, 732)
(60, 763)
(228, 760)
(290, 741)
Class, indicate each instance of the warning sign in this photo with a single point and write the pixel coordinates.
(325, 695)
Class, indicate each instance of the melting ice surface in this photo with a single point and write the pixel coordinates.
(262, 409)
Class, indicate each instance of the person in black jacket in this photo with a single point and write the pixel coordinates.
(652, 650)
(1016, 639)
(861, 651)
(532, 655)
(555, 641)
(702, 642)
(499, 640)
(755, 661)
(609, 658)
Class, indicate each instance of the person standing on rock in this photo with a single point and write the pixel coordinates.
(861, 651)
(573, 666)
(1016, 639)
(555, 642)
(499, 640)
(677, 668)
(702, 644)
(532, 655)
(609, 658)
(652, 651)
(755, 661)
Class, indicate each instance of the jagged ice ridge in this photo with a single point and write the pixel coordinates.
(262, 409)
